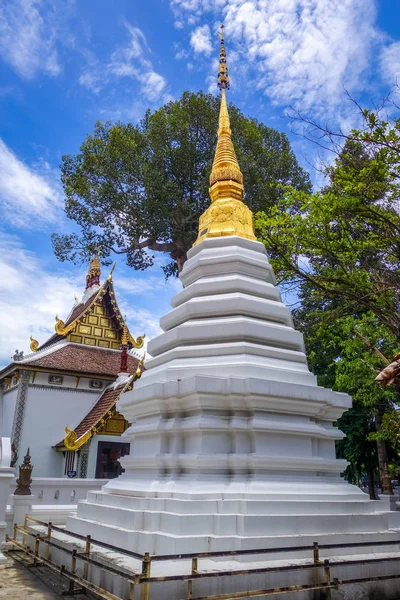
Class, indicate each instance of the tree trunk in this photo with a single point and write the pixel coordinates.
(371, 484)
(383, 461)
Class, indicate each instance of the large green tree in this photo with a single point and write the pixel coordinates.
(344, 354)
(344, 240)
(140, 189)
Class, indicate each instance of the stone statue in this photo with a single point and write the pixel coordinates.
(24, 481)
(18, 355)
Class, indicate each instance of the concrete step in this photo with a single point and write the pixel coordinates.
(359, 504)
(238, 524)
(165, 543)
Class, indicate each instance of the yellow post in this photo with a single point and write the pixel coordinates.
(25, 526)
(37, 544)
(145, 587)
(194, 566)
(73, 570)
(327, 572)
(87, 552)
(47, 553)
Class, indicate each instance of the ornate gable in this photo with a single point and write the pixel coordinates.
(95, 321)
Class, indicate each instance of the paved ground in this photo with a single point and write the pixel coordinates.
(17, 582)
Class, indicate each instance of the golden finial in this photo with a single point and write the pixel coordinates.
(227, 214)
(124, 337)
(76, 299)
(109, 278)
(34, 345)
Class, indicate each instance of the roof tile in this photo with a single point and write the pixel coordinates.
(82, 359)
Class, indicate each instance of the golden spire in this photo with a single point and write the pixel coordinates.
(227, 214)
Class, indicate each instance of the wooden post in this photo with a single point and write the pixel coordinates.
(145, 587)
(190, 588)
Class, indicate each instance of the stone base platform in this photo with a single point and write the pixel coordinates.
(176, 525)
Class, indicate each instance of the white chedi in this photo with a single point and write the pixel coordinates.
(232, 442)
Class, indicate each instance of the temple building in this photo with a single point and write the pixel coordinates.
(59, 401)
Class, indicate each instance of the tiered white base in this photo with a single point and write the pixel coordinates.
(182, 525)
(232, 442)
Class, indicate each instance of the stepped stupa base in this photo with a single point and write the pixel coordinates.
(169, 523)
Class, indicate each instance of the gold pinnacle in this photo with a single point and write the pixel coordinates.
(227, 215)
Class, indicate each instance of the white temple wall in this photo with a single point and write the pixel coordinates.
(47, 412)
(9, 402)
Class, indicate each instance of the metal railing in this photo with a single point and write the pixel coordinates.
(321, 569)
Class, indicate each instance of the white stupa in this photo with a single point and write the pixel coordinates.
(232, 442)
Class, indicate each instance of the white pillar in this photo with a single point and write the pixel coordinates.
(6, 476)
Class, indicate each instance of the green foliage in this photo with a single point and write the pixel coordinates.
(342, 361)
(139, 189)
(344, 240)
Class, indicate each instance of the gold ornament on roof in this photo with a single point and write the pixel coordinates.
(140, 366)
(139, 342)
(124, 336)
(227, 215)
(109, 278)
(34, 345)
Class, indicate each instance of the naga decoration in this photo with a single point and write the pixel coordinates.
(34, 345)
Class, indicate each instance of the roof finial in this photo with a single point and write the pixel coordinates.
(223, 78)
(227, 214)
(93, 276)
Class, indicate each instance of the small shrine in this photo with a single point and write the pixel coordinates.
(60, 400)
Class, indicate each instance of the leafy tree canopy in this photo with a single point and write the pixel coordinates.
(344, 240)
(139, 189)
(344, 362)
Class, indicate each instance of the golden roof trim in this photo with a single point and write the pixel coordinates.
(71, 440)
(62, 329)
(34, 345)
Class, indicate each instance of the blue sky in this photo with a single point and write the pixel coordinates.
(65, 65)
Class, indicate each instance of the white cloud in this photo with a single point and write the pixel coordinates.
(37, 290)
(28, 34)
(298, 52)
(129, 61)
(200, 40)
(31, 298)
(390, 63)
(27, 195)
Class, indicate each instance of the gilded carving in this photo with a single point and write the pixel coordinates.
(85, 329)
(34, 345)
